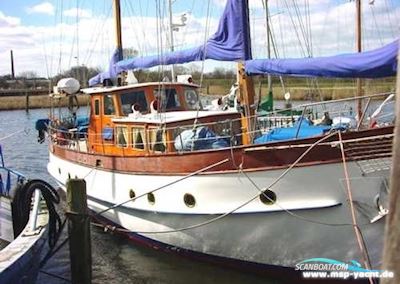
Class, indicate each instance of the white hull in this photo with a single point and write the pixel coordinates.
(282, 234)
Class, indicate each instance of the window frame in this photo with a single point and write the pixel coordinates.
(142, 130)
(117, 133)
(113, 105)
(143, 109)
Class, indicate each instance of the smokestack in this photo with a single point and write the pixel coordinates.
(12, 66)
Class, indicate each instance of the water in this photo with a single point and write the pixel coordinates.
(115, 260)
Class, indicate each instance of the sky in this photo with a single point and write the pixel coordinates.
(51, 36)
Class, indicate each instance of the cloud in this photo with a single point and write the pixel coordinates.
(42, 8)
(7, 21)
(83, 13)
(54, 47)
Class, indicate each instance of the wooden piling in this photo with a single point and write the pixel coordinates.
(27, 101)
(391, 252)
(79, 232)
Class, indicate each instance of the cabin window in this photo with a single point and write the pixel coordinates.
(121, 136)
(138, 138)
(129, 99)
(192, 99)
(96, 107)
(168, 97)
(157, 140)
(109, 108)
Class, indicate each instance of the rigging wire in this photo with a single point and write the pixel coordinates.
(77, 32)
(61, 36)
(206, 32)
(96, 36)
(379, 33)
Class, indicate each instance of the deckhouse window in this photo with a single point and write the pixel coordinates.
(109, 108)
(168, 98)
(96, 107)
(121, 136)
(129, 99)
(157, 140)
(138, 138)
(192, 99)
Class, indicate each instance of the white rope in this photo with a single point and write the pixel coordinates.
(14, 133)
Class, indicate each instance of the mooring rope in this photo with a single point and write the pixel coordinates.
(357, 231)
(14, 133)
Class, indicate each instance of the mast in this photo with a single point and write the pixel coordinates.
(246, 90)
(171, 35)
(117, 19)
(359, 49)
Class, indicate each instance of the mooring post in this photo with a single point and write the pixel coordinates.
(27, 101)
(391, 255)
(79, 232)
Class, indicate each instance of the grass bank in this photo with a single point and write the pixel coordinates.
(39, 101)
(299, 88)
(303, 89)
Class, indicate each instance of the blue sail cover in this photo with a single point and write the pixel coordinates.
(111, 73)
(381, 62)
(231, 42)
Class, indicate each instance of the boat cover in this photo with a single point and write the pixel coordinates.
(200, 139)
(307, 129)
(381, 62)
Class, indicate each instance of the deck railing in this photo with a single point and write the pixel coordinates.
(231, 131)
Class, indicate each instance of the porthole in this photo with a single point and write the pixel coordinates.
(189, 200)
(268, 197)
(132, 194)
(150, 198)
(59, 171)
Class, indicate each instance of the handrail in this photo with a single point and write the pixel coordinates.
(265, 122)
(347, 99)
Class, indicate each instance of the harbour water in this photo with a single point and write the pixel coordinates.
(115, 260)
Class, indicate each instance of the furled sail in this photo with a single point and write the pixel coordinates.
(377, 63)
(231, 42)
(111, 72)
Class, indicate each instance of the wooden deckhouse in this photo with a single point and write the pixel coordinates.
(145, 119)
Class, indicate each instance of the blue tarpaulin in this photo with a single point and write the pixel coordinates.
(231, 42)
(307, 129)
(381, 62)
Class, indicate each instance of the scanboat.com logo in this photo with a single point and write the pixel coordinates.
(331, 268)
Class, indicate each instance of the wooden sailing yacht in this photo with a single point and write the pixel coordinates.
(169, 174)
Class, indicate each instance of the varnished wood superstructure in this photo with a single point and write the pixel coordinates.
(110, 104)
(144, 142)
